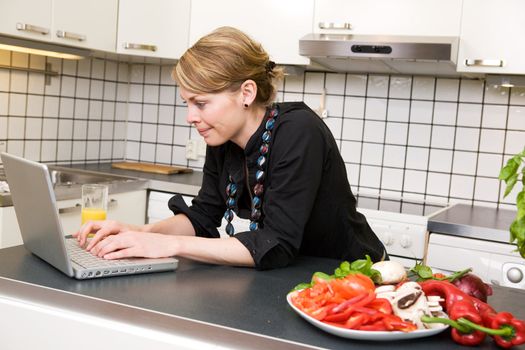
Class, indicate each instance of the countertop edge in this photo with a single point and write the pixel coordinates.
(175, 327)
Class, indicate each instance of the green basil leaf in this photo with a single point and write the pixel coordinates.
(321, 275)
(302, 286)
(510, 184)
(358, 265)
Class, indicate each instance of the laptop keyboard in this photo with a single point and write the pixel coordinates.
(88, 260)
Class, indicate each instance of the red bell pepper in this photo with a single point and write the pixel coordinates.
(465, 309)
(506, 330)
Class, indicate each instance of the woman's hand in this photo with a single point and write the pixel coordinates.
(134, 244)
(101, 229)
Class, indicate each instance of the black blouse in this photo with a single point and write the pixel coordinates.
(308, 207)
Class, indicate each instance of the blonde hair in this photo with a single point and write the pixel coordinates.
(223, 60)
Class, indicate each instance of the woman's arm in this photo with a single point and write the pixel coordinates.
(224, 251)
(175, 225)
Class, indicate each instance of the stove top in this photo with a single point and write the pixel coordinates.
(398, 205)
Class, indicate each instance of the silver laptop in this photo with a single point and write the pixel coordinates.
(37, 215)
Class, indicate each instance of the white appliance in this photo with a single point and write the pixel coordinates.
(401, 224)
(476, 237)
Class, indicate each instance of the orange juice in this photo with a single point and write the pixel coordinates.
(93, 214)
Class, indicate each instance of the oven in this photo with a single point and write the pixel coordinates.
(401, 224)
(477, 237)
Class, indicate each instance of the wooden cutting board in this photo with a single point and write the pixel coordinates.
(151, 168)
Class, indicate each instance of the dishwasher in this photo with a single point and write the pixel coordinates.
(477, 237)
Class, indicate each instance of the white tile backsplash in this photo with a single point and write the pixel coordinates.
(398, 110)
(400, 87)
(415, 136)
(376, 108)
(471, 91)
(445, 113)
(394, 156)
(417, 158)
(443, 137)
(517, 96)
(469, 114)
(314, 82)
(356, 84)
(354, 107)
(378, 85)
(374, 131)
(447, 89)
(516, 118)
(494, 116)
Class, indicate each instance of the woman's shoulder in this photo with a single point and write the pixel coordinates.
(299, 116)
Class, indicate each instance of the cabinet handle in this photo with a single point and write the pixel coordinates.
(484, 63)
(68, 210)
(331, 25)
(71, 36)
(132, 46)
(31, 28)
(112, 203)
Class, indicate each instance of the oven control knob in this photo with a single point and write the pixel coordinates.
(405, 241)
(388, 239)
(515, 275)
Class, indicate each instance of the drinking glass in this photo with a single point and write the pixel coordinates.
(94, 202)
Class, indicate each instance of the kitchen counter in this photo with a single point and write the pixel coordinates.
(473, 222)
(188, 183)
(224, 306)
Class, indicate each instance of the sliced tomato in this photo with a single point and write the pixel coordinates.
(381, 305)
(352, 285)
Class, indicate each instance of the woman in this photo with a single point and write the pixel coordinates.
(276, 164)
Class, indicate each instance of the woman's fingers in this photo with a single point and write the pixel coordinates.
(85, 230)
(133, 244)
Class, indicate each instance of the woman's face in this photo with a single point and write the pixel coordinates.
(217, 117)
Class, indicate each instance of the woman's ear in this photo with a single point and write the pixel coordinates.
(248, 93)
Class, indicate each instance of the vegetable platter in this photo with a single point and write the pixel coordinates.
(384, 302)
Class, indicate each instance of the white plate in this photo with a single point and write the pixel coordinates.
(365, 335)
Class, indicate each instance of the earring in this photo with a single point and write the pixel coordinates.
(245, 105)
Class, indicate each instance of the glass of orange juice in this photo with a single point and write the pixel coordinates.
(94, 202)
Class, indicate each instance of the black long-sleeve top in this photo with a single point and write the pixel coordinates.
(308, 206)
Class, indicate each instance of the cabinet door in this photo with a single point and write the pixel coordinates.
(91, 24)
(491, 37)
(277, 25)
(128, 207)
(389, 17)
(156, 28)
(9, 230)
(17, 20)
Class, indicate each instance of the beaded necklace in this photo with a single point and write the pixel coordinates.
(258, 189)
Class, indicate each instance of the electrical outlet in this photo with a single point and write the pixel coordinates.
(3, 146)
(192, 150)
(202, 148)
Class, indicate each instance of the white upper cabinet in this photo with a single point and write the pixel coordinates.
(492, 35)
(29, 19)
(85, 23)
(90, 24)
(157, 28)
(388, 17)
(277, 25)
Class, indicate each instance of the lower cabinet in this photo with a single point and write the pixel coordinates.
(158, 210)
(129, 207)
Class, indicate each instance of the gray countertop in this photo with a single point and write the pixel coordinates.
(188, 183)
(473, 222)
(223, 298)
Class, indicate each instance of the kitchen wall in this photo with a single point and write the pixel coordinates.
(437, 139)
(80, 116)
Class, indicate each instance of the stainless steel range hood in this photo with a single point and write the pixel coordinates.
(382, 54)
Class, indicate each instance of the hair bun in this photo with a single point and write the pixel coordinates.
(270, 66)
